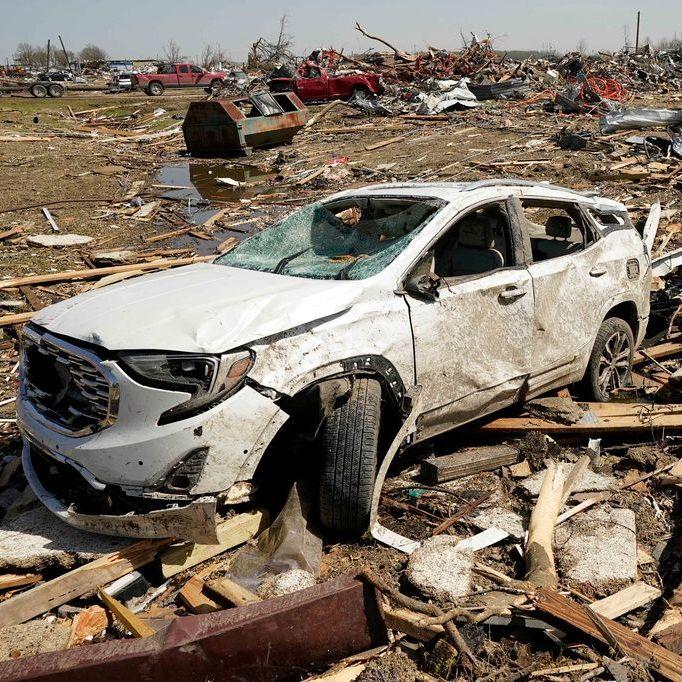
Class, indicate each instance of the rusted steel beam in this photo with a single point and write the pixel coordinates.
(277, 639)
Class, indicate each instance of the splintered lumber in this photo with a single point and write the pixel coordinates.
(666, 663)
(12, 580)
(231, 591)
(50, 219)
(321, 114)
(168, 235)
(231, 532)
(93, 273)
(555, 490)
(125, 616)
(16, 318)
(193, 597)
(658, 352)
(383, 143)
(464, 511)
(467, 462)
(10, 233)
(78, 582)
(599, 418)
(625, 600)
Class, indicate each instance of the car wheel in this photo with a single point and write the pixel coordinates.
(610, 364)
(55, 90)
(155, 89)
(38, 90)
(360, 92)
(350, 444)
(216, 86)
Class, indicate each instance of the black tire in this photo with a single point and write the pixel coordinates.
(610, 364)
(55, 90)
(350, 443)
(155, 89)
(216, 85)
(38, 90)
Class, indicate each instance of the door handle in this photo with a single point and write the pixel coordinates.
(597, 271)
(512, 293)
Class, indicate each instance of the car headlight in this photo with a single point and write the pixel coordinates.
(207, 378)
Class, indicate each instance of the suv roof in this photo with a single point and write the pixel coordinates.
(452, 190)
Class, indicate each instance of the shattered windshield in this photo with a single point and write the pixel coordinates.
(347, 239)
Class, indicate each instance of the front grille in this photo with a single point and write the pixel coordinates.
(65, 384)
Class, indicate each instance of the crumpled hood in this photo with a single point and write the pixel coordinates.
(197, 308)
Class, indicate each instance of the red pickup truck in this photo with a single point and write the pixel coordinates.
(177, 76)
(314, 84)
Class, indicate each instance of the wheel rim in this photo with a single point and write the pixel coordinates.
(614, 363)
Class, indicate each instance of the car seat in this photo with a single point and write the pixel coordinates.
(474, 252)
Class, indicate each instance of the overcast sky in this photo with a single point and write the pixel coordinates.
(140, 28)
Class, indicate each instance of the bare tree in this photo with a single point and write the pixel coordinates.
(581, 47)
(93, 53)
(25, 54)
(265, 54)
(212, 56)
(171, 51)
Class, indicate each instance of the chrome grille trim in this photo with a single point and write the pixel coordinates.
(92, 385)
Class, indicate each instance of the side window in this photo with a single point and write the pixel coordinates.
(476, 243)
(184, 69)
(555, 229)
(195, 69)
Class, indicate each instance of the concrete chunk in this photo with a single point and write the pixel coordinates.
(37, 539)
(440, 569)
(58, 239)
(590, 481)
(598, 546)
(497, 517)
(34, 637)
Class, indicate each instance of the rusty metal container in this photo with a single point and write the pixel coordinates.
(229, 127)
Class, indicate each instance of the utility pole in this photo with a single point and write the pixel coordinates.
(637, 34)
(66, 56)
(47, 68)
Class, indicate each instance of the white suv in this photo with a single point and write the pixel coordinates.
(147, 405)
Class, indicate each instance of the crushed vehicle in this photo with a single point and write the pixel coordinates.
(315, 84)
(230, 126)
(178, 76)
(146, 405)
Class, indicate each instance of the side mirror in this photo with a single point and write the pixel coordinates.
(422, 282)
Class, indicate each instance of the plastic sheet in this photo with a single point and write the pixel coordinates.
(289, 543)
(633, 119)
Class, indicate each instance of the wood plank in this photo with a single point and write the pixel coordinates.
(666, 663)
(231, 532)
(231, 591)
(10, 580)
(662, 350)
(16, 318)
(383, 143)
(78, 582)
(10, 233)
(193, 597)
(125, 616)
(625, 600)
(466, 462)
(606, 417)
(93, 273)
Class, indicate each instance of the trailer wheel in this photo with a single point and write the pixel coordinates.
(38, 90)
(155, 89)
(55, 90)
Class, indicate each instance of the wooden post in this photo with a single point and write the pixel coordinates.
(637, 34)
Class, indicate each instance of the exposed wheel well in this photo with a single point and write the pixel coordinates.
(626, 311)
(296, 439)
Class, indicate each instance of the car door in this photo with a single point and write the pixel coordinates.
(184, 76)
(198, 75)
(573, 276)
(472, 339)
(313, 86)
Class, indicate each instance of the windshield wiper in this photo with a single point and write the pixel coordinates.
(287, 259)
(343, 272)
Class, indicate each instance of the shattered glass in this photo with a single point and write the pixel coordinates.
(314, 242)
